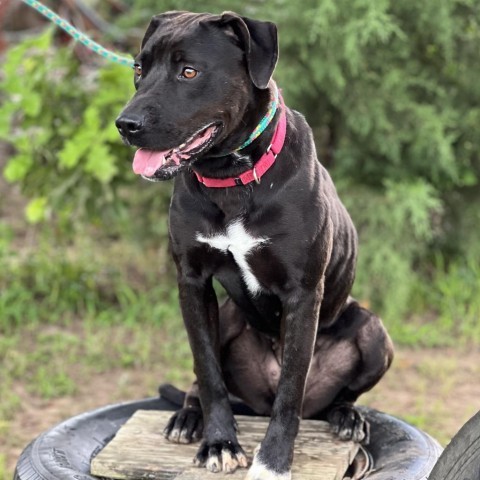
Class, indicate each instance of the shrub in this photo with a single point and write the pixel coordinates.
(59, 116)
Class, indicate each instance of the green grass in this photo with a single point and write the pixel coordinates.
(119, 283)
(443, 311)
(4, 475)
(94, 278)
(12, 361)
(51, 363)
(96, 305)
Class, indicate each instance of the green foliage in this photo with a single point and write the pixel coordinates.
(394, 226)
(59, 117)
(455, 297)
(384, 77)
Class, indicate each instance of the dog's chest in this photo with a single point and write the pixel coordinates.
(236, 240)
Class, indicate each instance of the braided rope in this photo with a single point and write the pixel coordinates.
(265, 121)
(77, 35)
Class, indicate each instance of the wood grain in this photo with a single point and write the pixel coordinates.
(139, 451)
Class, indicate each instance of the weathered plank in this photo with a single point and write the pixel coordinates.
(139, 451)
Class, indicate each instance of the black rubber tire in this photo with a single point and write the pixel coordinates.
(65, 451)
(461, 458)
(400, 451)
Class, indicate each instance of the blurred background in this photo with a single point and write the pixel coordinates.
(88, 301)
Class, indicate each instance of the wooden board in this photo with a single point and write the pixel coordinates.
(139, 451)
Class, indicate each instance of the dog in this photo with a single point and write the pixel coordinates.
(253, 208)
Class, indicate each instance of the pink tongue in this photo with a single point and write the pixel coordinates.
(147, 162)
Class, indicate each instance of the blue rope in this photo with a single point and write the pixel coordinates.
(77, 35)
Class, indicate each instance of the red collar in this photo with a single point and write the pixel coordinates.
(263, 164)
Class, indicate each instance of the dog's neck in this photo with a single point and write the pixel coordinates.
(228, 160)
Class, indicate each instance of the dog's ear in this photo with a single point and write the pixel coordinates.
(260, 43)
(157, 21)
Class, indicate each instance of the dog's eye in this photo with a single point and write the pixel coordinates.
(138, 69)
(189, 73)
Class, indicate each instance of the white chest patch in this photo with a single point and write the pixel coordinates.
(239, 243)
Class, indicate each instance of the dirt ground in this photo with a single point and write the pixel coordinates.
(436, 390)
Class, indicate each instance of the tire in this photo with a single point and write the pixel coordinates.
(461, 459)
(400, 451)
(65, 451)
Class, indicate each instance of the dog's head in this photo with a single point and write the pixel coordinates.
(195, 75)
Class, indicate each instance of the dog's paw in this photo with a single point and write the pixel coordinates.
(349, 424)
(185, 426)
(259, 471)
(221, 457)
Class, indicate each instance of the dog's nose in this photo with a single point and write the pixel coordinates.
(128, 124)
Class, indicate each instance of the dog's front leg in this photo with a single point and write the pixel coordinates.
(219, 449)
(274, 459)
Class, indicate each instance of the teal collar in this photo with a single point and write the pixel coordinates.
(265, 121)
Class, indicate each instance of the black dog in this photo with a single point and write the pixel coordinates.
(262, 216)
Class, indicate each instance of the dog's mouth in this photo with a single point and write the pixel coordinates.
(157, 165)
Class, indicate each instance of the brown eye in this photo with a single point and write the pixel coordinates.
(189, 73)
(138, 69)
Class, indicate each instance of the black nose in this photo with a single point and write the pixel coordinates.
(130, 123)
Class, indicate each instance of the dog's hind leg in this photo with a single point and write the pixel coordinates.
(251, 362)
(350, 359)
